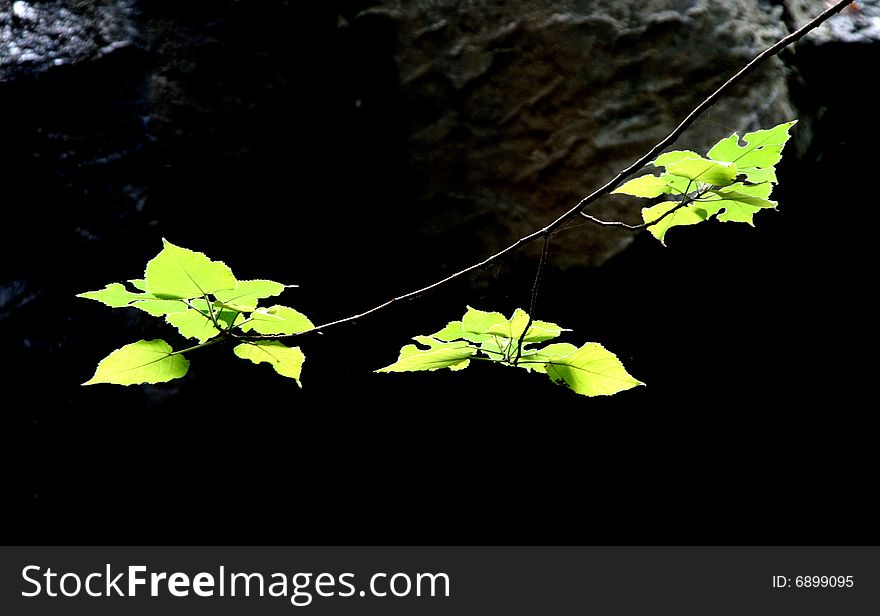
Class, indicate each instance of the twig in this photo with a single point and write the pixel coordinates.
(538, 275)
(615, 181)
(534, 299)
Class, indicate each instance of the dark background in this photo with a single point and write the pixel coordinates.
(754, 343)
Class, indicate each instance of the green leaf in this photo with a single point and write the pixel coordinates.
(193, 324)
(688, 215)
(762, 150)
(223, 313)
(145, 361)
(249, 292)
(537, 359)
(139, 283)
(704, 171)
(180, 273)
(114, 295)
(287, 361)
(591, 371)
(556, 349)
(540, 331)
(452, 355)
(277, 320)
(513, 328)
(496, 348)
(678, 185)
(759, 176)
(454, 330)
(675, 156)
(738, 203)
(644, 186)
(478, 326)
(479, 322)
(159, 307)
(117, 296)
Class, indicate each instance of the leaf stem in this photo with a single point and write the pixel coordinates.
(211, 312)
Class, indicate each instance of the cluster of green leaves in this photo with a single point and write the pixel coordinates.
(204, 301)
(590, 370)
(732, 182)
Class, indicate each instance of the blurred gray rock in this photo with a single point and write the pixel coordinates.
(516, 110)
(858, 23)
(36, 36)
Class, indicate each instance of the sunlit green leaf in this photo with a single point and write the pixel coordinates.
(675, 156)
(114, 295)
(485, 324)
(678, 185)
(644, 186)
(455, 330)
(193, 324)
(224, 314)
(277, 320)
(737, 203)
(591, 371)
(539, 331)
(497, 348)
(159, 307)
(762, 150)
(452, 355)
(759, 176)
(516, 325)
(287, 361)
(704, 171)
(248, 293)
(479, 322)
(180, 273)
(145, 361)
(536, 359)
(687, 215)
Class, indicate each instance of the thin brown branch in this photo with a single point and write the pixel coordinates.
(623, 225)
(534, 299)
(616, 180)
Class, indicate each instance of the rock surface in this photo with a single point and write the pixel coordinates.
(516, 110)
(35, 36)
(858, 23)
